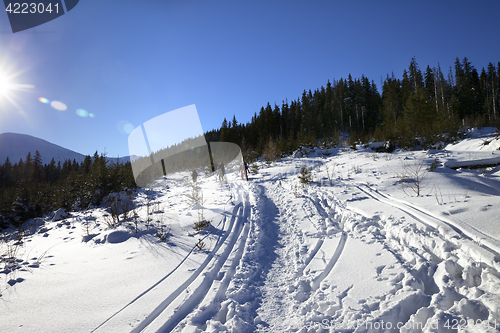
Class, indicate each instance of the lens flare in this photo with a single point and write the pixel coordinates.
(91, 115)
(59, 106)
(82, 113)
(125, 127)
(128, 128)
(43, 100)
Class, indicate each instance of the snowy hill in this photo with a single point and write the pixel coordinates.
(355, 250)
(17, 146)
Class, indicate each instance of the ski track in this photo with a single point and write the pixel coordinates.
(447, 229)
(336, 255)
(428, 271)
(255, 277)
(171, 276)
(301, 284)
(221, 289)
(423, 265)
(216, 275)
(199, 293)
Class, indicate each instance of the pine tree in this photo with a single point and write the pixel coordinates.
(38, 173)
(418, 114)
(416, 80)
(391, 107)
(6, 174)
(51, 173)
(224, 130)
(28, 167)
(492, 77)
(467, 89)
(86, 164)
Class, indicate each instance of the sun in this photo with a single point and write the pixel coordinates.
(5, 85)
(9, 87)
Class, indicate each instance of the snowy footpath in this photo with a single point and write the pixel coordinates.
(357, 249)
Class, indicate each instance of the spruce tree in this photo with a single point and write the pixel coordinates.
(418, 114)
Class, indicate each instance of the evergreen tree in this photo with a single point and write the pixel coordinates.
(418, 114)
(493, 87)
(86, 164)
(416, 80)
(467, 89)
(38, 173)
(429, 82)
(391, 106)
(51, 173)
(6, 174)
(28, 167)
(224, 130)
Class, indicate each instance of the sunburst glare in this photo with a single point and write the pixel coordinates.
(9, 87)
(4, 85)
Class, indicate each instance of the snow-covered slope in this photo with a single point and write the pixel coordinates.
(356, 250)
(17, 146)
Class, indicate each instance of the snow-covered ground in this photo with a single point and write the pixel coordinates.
(357, 250)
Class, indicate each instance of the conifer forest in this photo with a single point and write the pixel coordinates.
(421, 108)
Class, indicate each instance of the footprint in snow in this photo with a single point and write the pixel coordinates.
(380, 269)
(12, 282)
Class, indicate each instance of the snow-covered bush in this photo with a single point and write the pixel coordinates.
(305, 175)
(118, 204)
(201, 225)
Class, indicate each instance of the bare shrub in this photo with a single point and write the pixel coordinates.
(148, 201)
(356, 169)
(9, 253)
(109, 220)
(331, 175)
(135, 219)
(255, 168)
(117, 204)
(128, 206)
(271, 151)
(89, 217)
(434, 165)
(200, 245)
(412, 175)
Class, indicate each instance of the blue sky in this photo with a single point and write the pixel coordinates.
(127, 62)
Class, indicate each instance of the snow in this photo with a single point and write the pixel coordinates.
(356, 250)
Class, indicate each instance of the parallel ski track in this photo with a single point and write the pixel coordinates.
(232, 229)
(430, 220)
(423, 217)
(240, 228)
(319, 244)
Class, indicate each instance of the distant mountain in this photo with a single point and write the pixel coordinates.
(17, 146)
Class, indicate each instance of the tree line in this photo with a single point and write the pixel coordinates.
(30, 188)
(421, 107)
